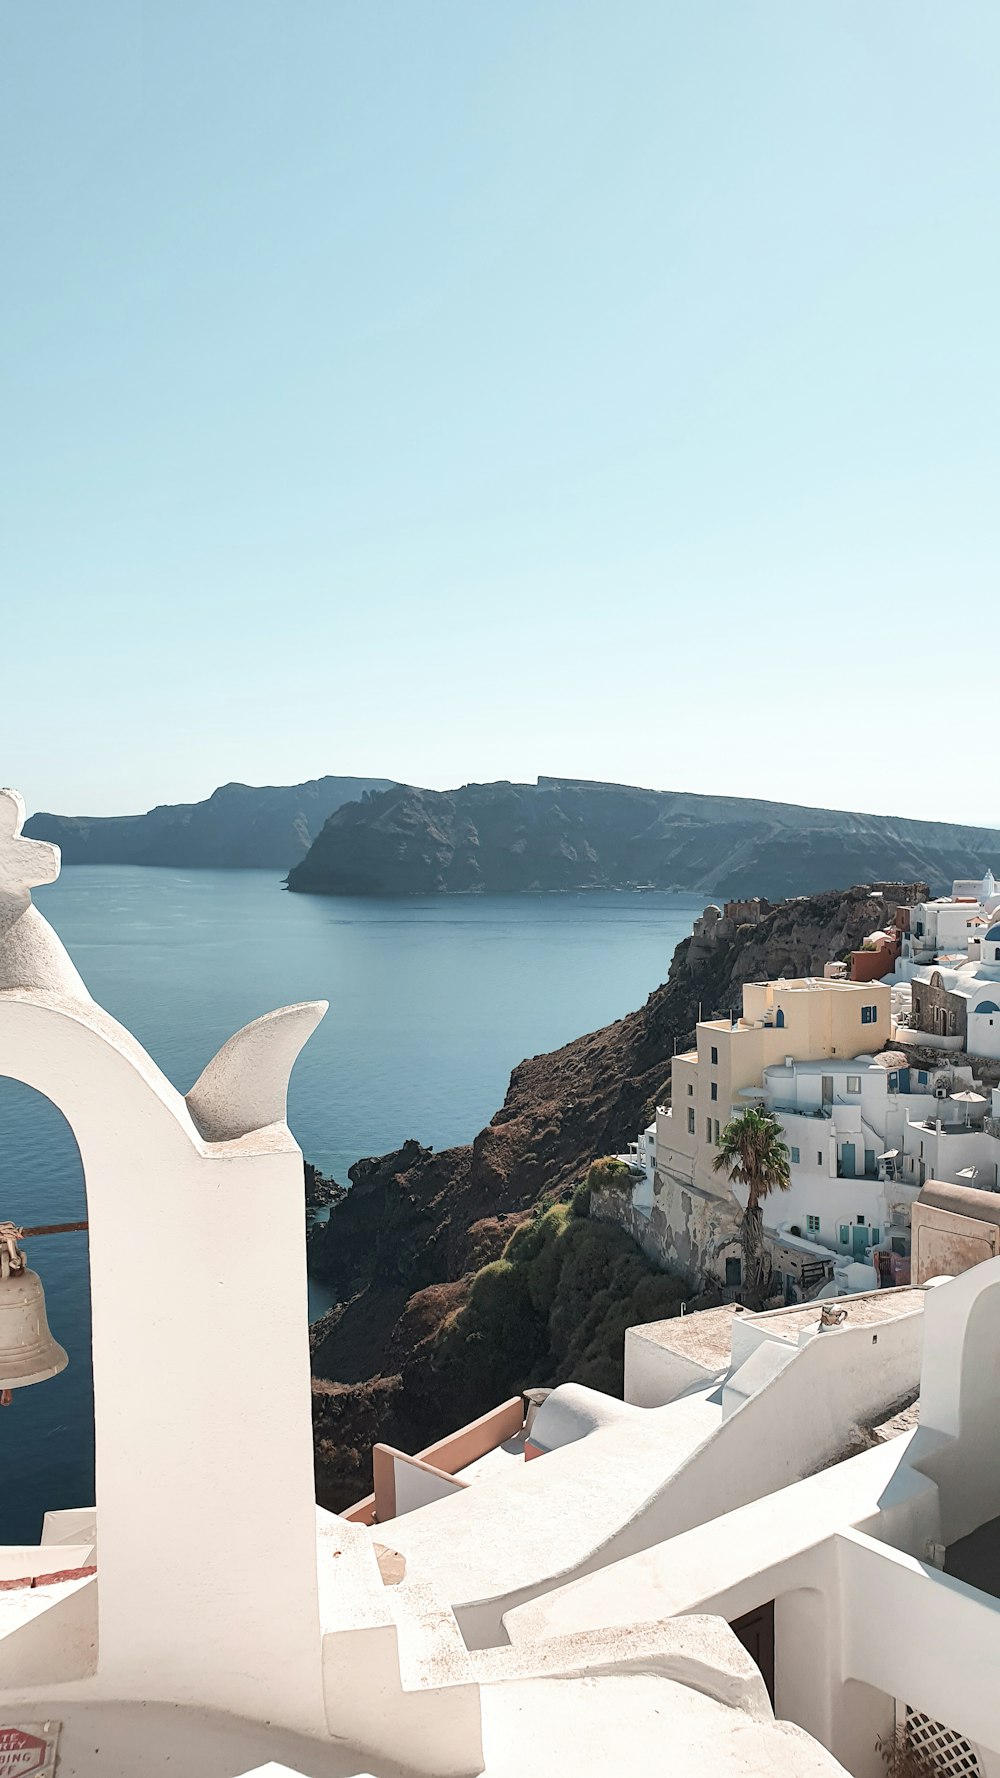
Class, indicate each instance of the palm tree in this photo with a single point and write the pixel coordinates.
(753, 1152)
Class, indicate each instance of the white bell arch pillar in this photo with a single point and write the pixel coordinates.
(206, 1519)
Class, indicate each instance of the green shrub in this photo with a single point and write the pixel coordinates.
(609, 1174)
(554, 1309)
(580, 1201)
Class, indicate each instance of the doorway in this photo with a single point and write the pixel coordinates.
(756, 1632)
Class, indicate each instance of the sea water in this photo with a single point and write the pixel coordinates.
(432, 1002)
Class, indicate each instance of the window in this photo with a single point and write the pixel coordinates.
(819, 1157)
(734, 1273)
(690, 1090)
(795, 1156)
(715, 1089)
(708, 1129)
(716, 1132)
(876, 1236)
(922, 1077)
(690, 1120)
(869, 1015)
(845, 1234)
(854, 1083)
(812, 1225)
(715, 1056)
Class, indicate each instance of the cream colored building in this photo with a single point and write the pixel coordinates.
(796, 1020)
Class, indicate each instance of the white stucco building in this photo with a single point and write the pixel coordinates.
(942, 927)
(824, 1478)
(956, 1004)
(864, 1136)
(865, 1128)
(640, 1156)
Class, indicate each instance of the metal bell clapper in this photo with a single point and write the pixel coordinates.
(28, 1352)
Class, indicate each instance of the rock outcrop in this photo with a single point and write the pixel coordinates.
(239, 826)
(562, 834)
(404, 1246)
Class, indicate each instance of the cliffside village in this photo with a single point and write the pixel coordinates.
(779, 1554)
(883, 1074)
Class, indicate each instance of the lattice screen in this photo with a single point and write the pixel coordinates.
(940, 1752)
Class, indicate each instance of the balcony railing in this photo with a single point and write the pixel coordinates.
(823, 1111)
(953, 1126)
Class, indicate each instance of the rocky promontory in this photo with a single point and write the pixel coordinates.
(464, 1275)
(565, 834)
(239, 826)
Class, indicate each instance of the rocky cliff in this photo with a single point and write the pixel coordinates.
(238, 826)
(406, 1246)
(564, 834)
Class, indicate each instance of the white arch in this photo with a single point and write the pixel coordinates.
(201, 1363)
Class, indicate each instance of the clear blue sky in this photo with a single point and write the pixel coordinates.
(479, 388)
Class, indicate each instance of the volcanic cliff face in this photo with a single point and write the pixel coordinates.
(563, 834)
(405, 1243)
(238, 826)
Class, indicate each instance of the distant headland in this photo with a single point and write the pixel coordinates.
(238, 827)
(370, 836)
(567, 834)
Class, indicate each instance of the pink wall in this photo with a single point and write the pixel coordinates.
(445, 1458)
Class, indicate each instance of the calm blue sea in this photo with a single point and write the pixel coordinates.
(432, 1002)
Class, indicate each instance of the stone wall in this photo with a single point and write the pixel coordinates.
(687, 1232)
(932, 1003)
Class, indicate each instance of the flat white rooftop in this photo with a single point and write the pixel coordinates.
(495, 1462)
(704, 1336)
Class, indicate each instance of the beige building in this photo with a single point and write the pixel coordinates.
(952, 1227)
(796, 1020)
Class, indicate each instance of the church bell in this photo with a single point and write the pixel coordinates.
(28, 1353)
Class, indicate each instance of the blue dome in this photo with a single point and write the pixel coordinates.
(994, 932)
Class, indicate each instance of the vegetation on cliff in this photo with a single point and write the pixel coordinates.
(553, 1308)
(564, 834)
(407, 1247)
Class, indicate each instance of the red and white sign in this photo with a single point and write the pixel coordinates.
(28, 1749)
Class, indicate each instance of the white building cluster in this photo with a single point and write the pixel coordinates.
(878, 1085)
(949, 970)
